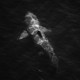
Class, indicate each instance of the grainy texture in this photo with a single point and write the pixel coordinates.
(23, 59)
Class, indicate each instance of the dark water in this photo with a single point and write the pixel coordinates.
(25, 60)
